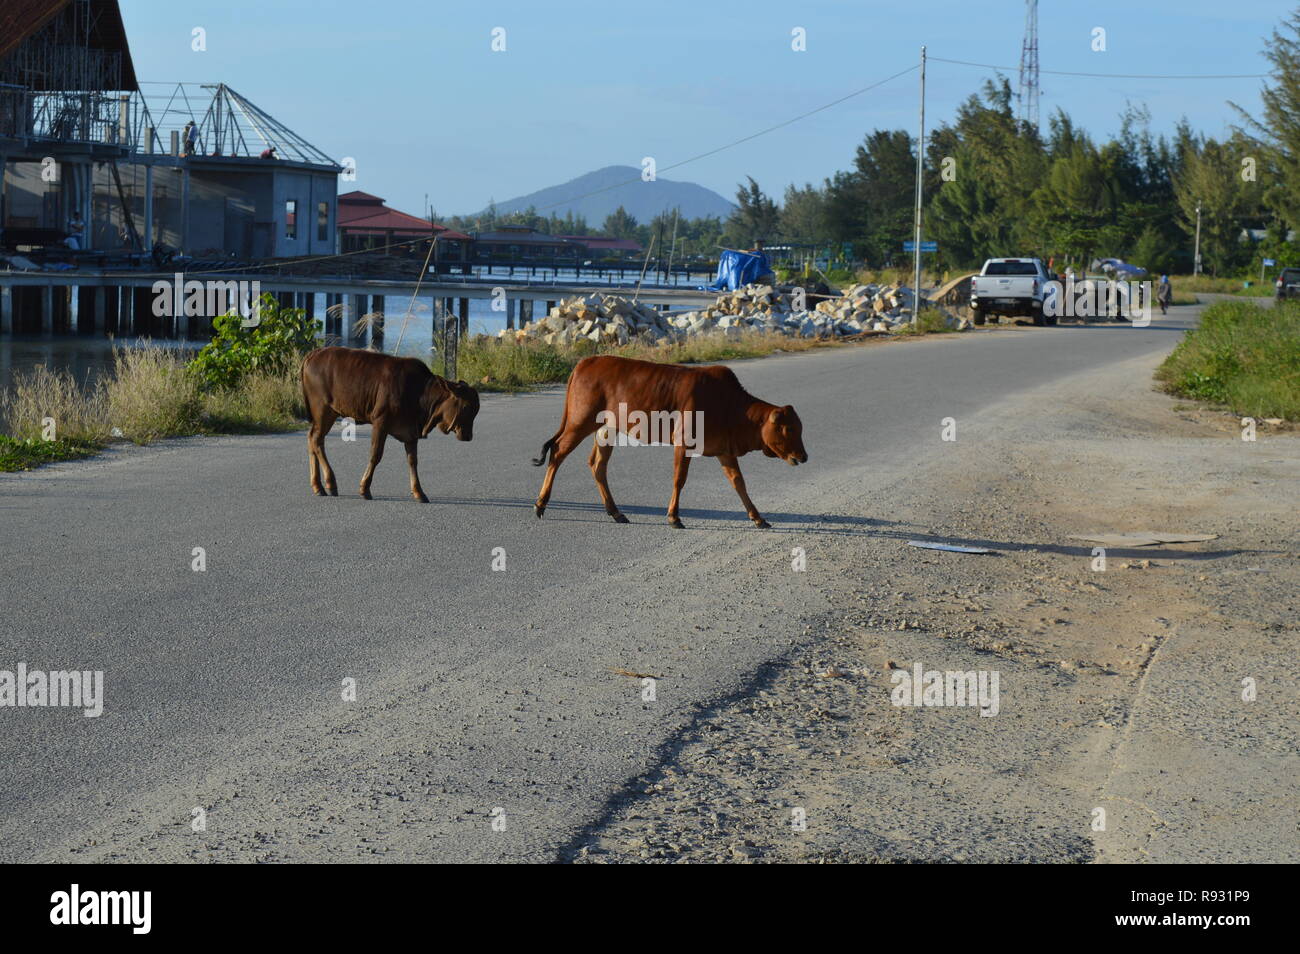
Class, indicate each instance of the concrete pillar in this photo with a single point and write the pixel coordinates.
(123, 312)
(6, 310)
(47, 310)
(510, 312)
(464, 315)
(99, 310)
(356, 308)
(142, 311)
(377, 326)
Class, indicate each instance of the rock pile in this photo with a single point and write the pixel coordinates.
(606, 318)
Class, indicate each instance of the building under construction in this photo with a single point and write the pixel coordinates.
(111, 186)
(80, 139)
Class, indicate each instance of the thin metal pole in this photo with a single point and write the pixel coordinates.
(1196, 256)
(920, 162)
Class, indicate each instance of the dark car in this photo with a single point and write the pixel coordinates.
(1288, 283)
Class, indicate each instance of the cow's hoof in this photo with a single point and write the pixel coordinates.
(421, 498)
(539, 510)
(319, 492)
(365, 495)
(334, 491)
(619, 518)
(762, 524)
(676, 524)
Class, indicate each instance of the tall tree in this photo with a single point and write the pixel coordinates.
(1278, 130)
(620, 224)
(756, 216)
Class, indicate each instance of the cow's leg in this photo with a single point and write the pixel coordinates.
(565, 446)
(601, 452)
(377, 438)
(731, 467)
(681, 464)
(322, 420)
(416, 490)
(313, 465)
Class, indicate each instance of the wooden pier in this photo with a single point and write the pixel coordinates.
(122, 303)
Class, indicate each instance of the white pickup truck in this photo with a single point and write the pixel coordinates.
(1010, 287)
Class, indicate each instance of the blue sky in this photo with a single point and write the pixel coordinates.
(414, 92)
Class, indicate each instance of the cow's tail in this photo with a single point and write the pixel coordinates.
(548, 449)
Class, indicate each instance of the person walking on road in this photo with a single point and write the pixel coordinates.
(1165, 294)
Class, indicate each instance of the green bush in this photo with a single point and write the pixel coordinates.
(273, 346)
(1244, 356)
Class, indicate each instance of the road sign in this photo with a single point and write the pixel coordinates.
(1269, 263)
(925, 246)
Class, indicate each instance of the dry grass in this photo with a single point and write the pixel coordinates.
(41, 395)
(497, 364)
(151, 395)
(262, 403)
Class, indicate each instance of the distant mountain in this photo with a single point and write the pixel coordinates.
(597, 194)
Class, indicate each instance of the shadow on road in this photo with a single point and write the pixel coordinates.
(803, 524)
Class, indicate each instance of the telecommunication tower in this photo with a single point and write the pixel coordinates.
(1028, 92)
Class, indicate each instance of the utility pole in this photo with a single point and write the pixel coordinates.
(920, 164)
(1196, 256)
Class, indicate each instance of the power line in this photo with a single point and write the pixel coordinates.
(711, 152)
(1168, 76)
(619, 185)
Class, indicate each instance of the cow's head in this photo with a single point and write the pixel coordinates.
(452, 406)
(783, 436)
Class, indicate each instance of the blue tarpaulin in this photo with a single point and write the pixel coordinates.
(737, 269)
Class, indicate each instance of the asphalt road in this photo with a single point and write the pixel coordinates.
(488, 722)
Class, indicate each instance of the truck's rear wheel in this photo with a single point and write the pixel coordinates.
(1036, 316)
(978, 317)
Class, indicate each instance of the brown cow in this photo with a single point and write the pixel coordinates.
(605, 392)
(397, 396)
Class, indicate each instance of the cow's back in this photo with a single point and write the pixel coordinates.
(363, 384)
(648, 386)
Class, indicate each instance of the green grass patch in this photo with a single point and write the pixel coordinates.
(928, 322)
(25, 453)
(1243, 357)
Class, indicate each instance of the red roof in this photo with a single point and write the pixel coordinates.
(609, 244)
(357, 197)
(361, 212)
